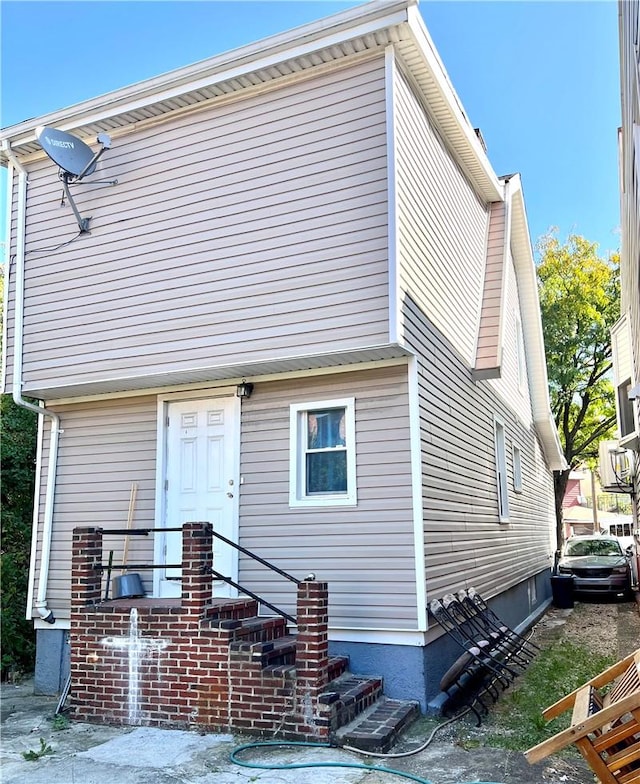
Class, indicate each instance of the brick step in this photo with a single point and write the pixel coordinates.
(275, 652)
(348, 696)
(337, 666)
(252, 630)
(377, 729)
(231, 609)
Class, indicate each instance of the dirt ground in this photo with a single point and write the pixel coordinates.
(607, 629)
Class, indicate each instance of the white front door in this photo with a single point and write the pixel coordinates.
(201, 484)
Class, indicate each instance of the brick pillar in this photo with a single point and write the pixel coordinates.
(312, 646)
(86, 554)
(197, 560)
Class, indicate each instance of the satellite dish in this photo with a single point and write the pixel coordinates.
(75, 159)
(70, 153)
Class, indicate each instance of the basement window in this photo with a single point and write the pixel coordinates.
(322, 453)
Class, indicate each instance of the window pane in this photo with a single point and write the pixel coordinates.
(325, 429)
(501, 469)
(327, 472)
(517, 469)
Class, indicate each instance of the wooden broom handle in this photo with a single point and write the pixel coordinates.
(132, 503)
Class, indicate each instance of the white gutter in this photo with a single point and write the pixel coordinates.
(41, 597)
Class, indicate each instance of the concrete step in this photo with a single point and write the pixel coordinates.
(348, 696)
(377, 729)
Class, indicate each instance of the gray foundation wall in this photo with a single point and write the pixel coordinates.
(53, 654)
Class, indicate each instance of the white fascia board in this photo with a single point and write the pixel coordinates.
(532, 328)
(492, 188)
(298, 42)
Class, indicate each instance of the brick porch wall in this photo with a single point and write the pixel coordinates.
(177, 669)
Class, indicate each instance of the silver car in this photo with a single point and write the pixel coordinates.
(597, 564)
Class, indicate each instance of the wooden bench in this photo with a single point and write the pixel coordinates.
(605, 723)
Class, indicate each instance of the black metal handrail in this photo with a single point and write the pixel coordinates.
(257, 558)
(146, 531)
(228, 580)
(254, 596)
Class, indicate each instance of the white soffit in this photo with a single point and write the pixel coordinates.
(74, 387)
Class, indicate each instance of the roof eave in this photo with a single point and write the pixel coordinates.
(532, 329)
(329, 31)
(455, 126)
(363, 28)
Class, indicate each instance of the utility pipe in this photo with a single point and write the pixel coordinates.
(41, 597)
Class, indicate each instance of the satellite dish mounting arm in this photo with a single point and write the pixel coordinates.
(83, 223)
(68, 177)
(105, 141)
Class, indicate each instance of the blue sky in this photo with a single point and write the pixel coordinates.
(540, 79)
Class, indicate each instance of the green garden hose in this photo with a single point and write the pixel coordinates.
(294, 765)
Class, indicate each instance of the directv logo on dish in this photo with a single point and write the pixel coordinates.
(58, 143)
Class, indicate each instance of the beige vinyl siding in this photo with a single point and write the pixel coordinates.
(622, 358)
(442, 226)
(105, 447)
(460, 503)
(249, 231)
(443, 238)
(366, 553)
(508, 386)
(489, 350)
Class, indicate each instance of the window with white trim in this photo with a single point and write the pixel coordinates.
(517, 469)
(322, 453)
(501, 470)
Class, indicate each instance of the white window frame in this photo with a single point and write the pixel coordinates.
(297, 452)
(502, 485)
(517, 468)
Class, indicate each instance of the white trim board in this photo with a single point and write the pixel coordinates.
(196, 386)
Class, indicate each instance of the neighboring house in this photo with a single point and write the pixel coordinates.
(314, 215)
(626, 333)
(577, 518)
(582, 514)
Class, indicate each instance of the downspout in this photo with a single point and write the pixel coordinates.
(41, 597)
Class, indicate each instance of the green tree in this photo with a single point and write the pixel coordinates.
(580, 302)
(17, 453)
